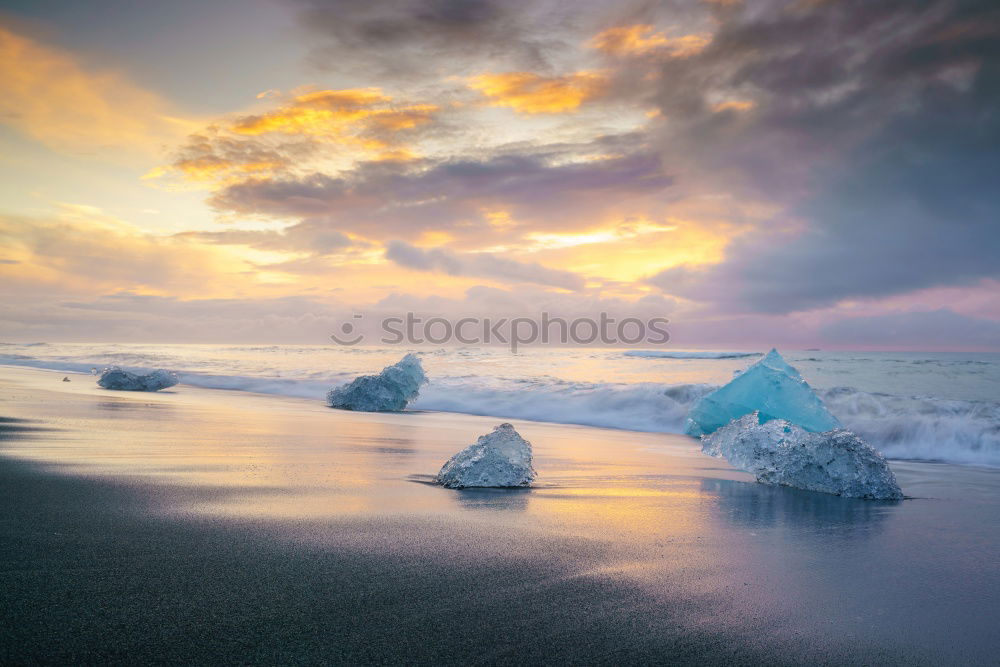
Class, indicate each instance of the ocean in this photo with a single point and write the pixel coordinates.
(940, 406)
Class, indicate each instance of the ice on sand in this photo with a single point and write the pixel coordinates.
(501, 458)
(117, 378)
(778, 452)
(389, 391)
(770, 387)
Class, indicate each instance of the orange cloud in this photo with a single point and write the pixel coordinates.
(633, 40)
(630, 39)
(49, 96)
(336, 113)
(734, 105)
(527, 92)
(362, 123)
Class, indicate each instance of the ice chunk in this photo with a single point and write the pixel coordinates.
(778, 452)
(771, 387)
(498, 459)
(389, 391)
(117, 378)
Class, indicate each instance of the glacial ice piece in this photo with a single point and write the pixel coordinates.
(501, 458)
(117, 378)
(389, 391)
(771, 387)
(778, 452)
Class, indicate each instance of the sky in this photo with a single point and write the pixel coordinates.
(811, 173)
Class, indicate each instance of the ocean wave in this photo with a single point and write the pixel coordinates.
(634, 407)
(914, 428)
(679, 354)
(921, 428)
(45, 364)
(294, 387)
(901, 427)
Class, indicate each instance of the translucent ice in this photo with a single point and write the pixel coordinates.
(498, 459)
(778, 452)
(770, 387)
(117, 378)
(389, 391)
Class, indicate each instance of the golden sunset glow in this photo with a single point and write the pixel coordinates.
(643, 39)
(51, 97)
(531, 93)
(499, 331)
(734, 105)
(336, 113)
(304, 134)
(549, 156)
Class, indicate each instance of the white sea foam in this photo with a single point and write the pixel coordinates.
(922, 428)
(525, 387)
(636, 407)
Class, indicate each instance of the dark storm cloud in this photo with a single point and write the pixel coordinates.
(385, 200)
(877, 125)
(403, 37)
(482, 265)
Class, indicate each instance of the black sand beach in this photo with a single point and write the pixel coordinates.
(201, 526)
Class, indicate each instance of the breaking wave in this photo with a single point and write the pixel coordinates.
(921, 428)
(901, 427)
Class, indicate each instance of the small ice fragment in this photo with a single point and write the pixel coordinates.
(778, 452)
(389, 391)
(771, 387)
(501, 458)
(117, 378)
(66, 379)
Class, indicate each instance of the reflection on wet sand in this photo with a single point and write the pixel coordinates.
(11, 427)
(752, 505)
(509, 500)
(131, 405)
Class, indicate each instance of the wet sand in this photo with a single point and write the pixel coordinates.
(204, 526)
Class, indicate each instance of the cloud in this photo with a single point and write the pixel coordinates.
(125, 316)
(524, 301)
(933, 328)
(304, 237)
(362, 116)
(382, 201)
(217, 156)
(642, 39)
(407, 39)
(333, 127)
(483, 265)
(49, 95)
(871, 126)
(83, 251)
(527, 92)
